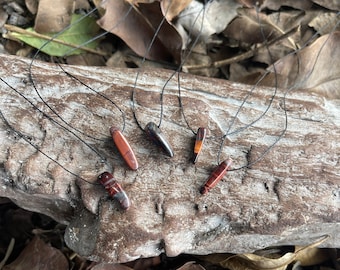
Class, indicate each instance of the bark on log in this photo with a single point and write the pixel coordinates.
(289, 197)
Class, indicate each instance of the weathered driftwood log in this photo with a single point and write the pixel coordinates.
(288, 197)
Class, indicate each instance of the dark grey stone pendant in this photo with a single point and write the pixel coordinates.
(156, 135)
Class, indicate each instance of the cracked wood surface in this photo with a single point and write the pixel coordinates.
(288, 197)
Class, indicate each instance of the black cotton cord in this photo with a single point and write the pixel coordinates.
(133, 95)
(261, 116)
(26, 138)
(53, 120)
(72, 76)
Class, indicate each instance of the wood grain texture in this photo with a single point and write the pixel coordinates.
(289, 197)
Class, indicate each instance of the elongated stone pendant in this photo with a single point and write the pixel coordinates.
(124, 148)
(216, 176)
(156, 135)
(200, 137)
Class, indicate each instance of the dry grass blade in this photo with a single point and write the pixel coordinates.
(253, 261)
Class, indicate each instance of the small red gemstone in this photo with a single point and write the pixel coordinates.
(216, 176)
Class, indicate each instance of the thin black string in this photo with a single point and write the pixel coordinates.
(168, 80)
(49, 117)
(307, 43)
(30, 75)
(223, 138)
(98, 93)
(26, 138)
(53, 120)
(284, 106)
(84, 44)
(239, 109)
(228, 133)
(133, 95)
(287, 91)
(181, 104)
(72, 76)
(58, 34)
(284, 109)
(264, 112)
(185, 57)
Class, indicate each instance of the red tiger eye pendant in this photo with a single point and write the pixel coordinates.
(115, 189)
(200, 137)
(124, 148)
(216, 176)
(158, 138)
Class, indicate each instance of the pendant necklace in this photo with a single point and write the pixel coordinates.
(210, 183)
(223, 167)
(152, 130)
(119, 139)
(106, 179)
(201, 133)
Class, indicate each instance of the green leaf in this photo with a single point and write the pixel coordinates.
(78, 34)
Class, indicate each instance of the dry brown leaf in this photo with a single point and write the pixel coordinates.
(215, 258)
(330, 4)
(38, 255)
(110, 266)
(3, 17)
(276, 5)
(167, 34)
(137, 29)
(246, 75)
(137, 2)
(117, 59)
(316, 67)
(191, 266)
(253, 261)
(86, 59)
(325, 22)
(260, 262)
(8, 253)
(171, 8)
(234, 263)
(53, 18)
(32, 5)
(82, 4)
(312, 256)
(258, 27)
(200, 59)
(205, 20)
(251, 3)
